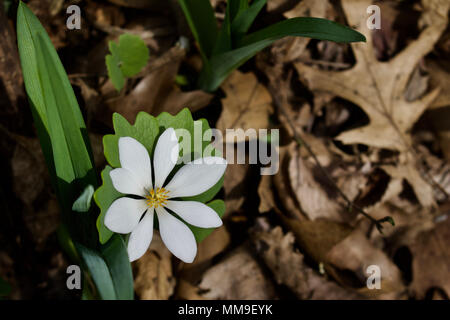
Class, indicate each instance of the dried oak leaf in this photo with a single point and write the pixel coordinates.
(239, 277)
(288, 266)
(378, 87)
(153, 272)
(247, 105)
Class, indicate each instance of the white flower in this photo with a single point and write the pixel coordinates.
(135, 215)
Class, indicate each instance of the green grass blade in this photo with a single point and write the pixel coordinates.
(116, 257)
(202, 22)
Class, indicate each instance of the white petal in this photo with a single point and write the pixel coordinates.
(141, 237)
(177, 237)
(166, 156)
(134, 157)
(123, 214)
(196, 177)
(195, 213)
(126, 182)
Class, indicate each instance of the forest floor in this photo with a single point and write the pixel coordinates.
(364, 130)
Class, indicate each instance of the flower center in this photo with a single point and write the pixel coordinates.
(157, 197)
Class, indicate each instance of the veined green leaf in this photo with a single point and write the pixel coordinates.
(119, 267)
(202, 22)
(99, 272)
(127, 58)
(56, 112)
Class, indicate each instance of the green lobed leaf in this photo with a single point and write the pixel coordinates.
(127, 58)
(147, 130)
(104, 197)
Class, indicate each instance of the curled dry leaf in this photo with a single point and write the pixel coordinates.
(288, 267)
(238, 276)
(247, 105)
(154, 278)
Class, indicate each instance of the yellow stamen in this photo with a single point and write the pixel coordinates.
(157, 197)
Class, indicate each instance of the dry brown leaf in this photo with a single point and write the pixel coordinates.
(187, 291)
(213, 245)
(238, 276)
(154, 278)
(247, 105)
(356, 253)
(11, 81)
(317, 237)
(313, 199)
(378, 87)
(235, 186)
(431, 260)
(265, 193)
(288, 267)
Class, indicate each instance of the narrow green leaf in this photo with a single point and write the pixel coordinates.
(316, 28)
(83, 203)
(245, 18)
(202, 22)
(116, 257)
(223, 64)
(223, 42)
(236, 6)
(99, 272)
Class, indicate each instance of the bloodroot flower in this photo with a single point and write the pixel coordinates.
(134, 214)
